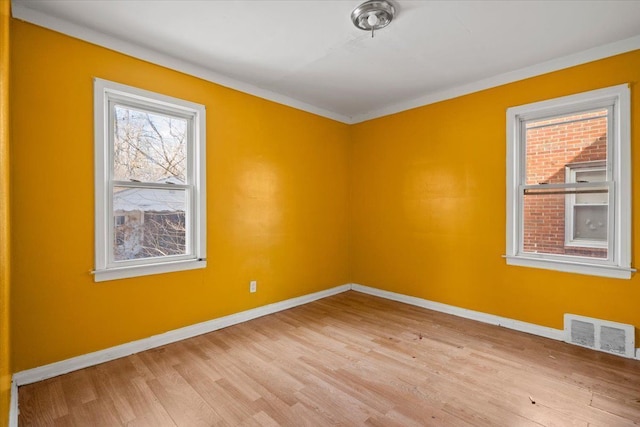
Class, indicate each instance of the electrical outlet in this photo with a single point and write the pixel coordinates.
(253, 286)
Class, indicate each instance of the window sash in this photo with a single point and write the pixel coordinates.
(566, 111)
(118, 100)
(569, 189)
(190, 250)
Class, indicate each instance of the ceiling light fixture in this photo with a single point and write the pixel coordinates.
(373, 15)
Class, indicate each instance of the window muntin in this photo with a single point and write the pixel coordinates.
(568, 174)
(150, 197)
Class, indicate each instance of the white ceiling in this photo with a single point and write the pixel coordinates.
(308, 54)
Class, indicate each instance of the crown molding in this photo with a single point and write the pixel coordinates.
(84, 33)
(150, 55)
(568, 61)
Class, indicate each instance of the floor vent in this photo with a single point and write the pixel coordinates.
(602, 335)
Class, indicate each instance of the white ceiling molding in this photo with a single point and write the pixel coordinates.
(583, 57)
(87, 34)
(348, 79)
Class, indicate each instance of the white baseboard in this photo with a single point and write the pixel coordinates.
(530, 328)
(91, 359)
(638, 353)
(13, 406)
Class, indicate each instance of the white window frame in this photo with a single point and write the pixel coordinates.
(106, 268)
(618, 262)
(570, 204)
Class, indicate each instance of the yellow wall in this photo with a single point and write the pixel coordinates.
(277, 204)
(428, 211)
(5, 353)
(413, 203)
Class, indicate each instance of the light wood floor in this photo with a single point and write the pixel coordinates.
(350, 359)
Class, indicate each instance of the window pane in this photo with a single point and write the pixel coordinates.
(591, 176)
(148, 147)
(544, 225)
(552, 144)
(119, 229)
(590, 222)
(152, 224)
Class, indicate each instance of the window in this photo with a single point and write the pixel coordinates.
(569, 184)
(149, 182)
(586, 215)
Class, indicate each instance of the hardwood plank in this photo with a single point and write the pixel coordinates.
(349, 359)
(185, 406)
(262, 419)
(110, 384)
(628, 409)
(148, 409)
(42, 405)
(99, 412)
(77, 388)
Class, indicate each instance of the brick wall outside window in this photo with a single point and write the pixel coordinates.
(551, 146)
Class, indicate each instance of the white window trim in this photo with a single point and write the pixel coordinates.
(619, 264)
(570, 203)
(105, 90)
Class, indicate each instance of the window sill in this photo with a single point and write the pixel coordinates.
(146, 270)
(611, 271)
